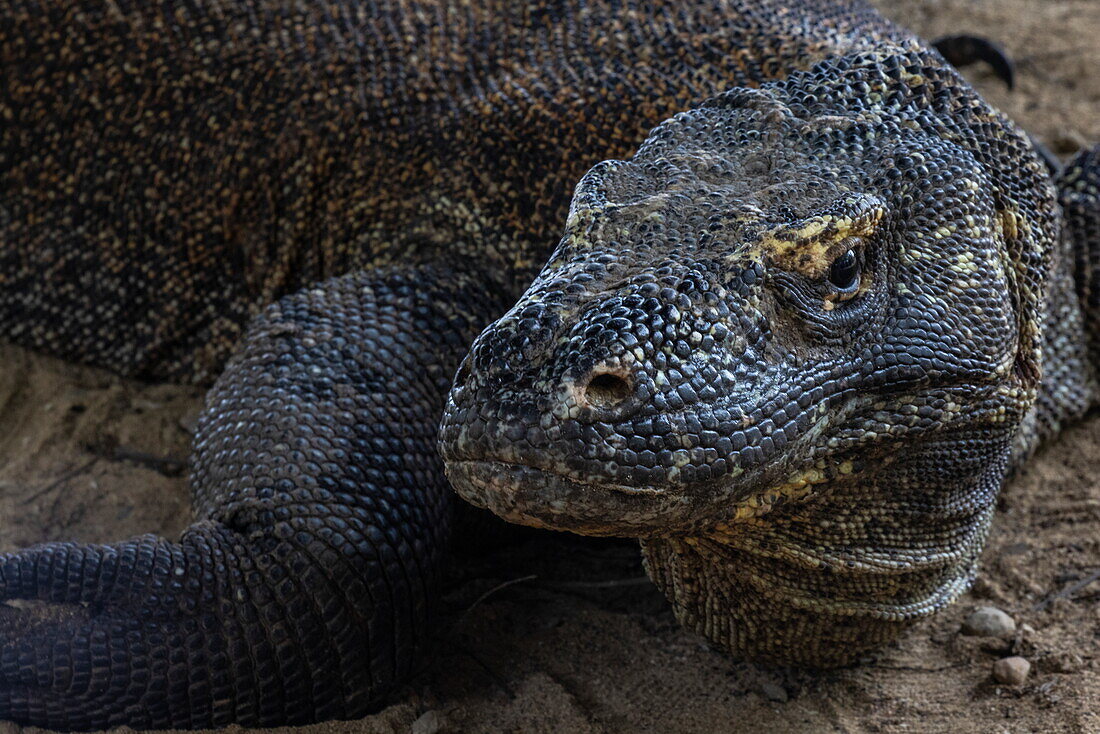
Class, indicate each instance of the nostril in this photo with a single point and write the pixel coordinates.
(606, 390)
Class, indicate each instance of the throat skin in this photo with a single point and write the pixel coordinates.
(823, 581)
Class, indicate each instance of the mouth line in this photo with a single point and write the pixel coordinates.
(515, 467)
(535, 496)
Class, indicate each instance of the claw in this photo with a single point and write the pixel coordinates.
(963, 50)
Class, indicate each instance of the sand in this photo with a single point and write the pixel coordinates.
(572, 637)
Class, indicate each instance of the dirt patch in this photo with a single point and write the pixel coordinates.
(588, 645)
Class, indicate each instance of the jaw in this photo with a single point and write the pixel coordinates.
(536, 489)
(527, 495)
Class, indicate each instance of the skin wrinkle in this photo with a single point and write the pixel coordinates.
(319, 206)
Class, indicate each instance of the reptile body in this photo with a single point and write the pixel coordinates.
(322, 205)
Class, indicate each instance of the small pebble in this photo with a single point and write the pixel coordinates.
(989, 622)
(1011, 671)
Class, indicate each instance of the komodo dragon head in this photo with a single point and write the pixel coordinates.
(787, 345)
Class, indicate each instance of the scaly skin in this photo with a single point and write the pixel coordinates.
(810, 468)
(809, 472)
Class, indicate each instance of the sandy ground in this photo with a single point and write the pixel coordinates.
(580, 641)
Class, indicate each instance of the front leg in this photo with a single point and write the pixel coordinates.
(321, 513)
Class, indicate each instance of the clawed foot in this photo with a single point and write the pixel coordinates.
(963, 50)
(59, 664)
(154, 634)
(79, 646)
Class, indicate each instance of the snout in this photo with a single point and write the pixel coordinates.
(638, 413)
(561, 446)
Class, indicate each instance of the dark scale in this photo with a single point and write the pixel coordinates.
(794, 343)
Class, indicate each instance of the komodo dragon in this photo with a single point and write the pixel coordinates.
(794, 344)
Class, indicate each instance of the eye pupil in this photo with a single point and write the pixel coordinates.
(844, 273)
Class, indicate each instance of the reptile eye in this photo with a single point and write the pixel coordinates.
(844, 272)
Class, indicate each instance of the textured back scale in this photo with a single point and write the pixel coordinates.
(168, 169)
